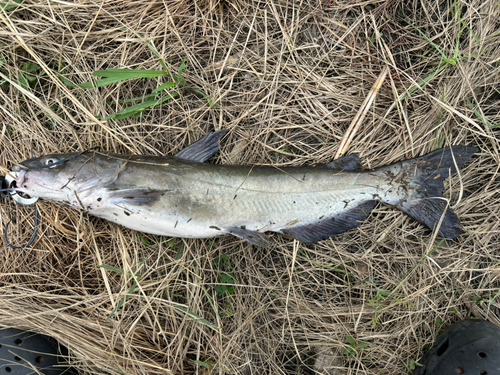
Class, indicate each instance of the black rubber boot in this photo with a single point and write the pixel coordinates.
(22, 352)
(470, 347)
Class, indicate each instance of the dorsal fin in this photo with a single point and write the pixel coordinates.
(348, 163)
(203, 149)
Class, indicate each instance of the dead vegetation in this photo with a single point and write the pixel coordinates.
(286, 79)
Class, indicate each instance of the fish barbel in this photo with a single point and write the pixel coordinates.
(181, 196)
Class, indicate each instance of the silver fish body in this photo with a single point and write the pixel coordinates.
(181, 196)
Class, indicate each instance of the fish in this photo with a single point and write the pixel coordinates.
(182, 196)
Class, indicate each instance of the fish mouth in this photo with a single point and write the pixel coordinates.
(21, 179)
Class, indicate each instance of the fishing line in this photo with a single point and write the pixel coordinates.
(33, 236)
(3, 196)
(5, 188)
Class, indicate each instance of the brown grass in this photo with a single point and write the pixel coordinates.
(287, 78)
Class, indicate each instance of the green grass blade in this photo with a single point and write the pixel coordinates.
(144, 97)
(479, 116)
(196, 317)
(178, 255)
(9, 5)
(464, 24)
(350, 340)
(101, 82)
(112, 77)
(417, 86)
(457, 44)
(201, 363)
(147, 97)
(64, 80)
(132, 110)
(129, 73)
(23, 81)
(30, 67)
(120, 116)
(179, 79)
(109, 268)
(164, 86)
(430, 41)
(131, 100)
(424, 81)
(122, 301)
(206, 97)
(155, 52)
(182, 67)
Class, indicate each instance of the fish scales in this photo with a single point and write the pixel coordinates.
(182, 196)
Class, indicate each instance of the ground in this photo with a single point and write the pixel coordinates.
(285, 78)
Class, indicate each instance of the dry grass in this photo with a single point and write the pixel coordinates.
(287, 78)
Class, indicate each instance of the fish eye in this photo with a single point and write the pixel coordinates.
(50, 161)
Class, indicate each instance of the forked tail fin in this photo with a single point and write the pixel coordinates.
(427, 204)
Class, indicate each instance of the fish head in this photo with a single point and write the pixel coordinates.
(53, 177)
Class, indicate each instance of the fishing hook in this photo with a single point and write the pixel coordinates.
(10, 179)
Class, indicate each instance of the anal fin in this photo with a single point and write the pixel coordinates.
(330, 226)
(256, 238)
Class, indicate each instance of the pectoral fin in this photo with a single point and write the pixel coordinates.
(203, 149)
(348, 163)
(256, 238)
